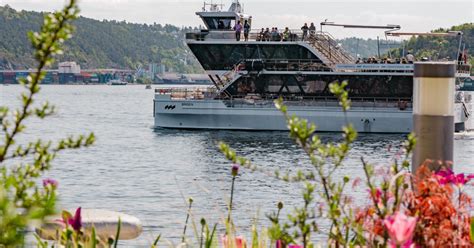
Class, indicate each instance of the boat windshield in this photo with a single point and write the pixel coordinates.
(219, 23)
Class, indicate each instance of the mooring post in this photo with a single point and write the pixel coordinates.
(433, 114)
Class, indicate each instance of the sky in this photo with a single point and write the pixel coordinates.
(412, 15)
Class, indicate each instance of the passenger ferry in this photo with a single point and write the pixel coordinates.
(248, 76)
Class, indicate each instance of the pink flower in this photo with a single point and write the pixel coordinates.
(295, 246)
(239, 242)
(376, 194)
(408, 244)
(49, 181)
(356, 182)
(76, 221)
(278, 244)
(447, 176)
(400, 228)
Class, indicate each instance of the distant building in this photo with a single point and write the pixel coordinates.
(69, 72)
(152, 70)
(69, 67)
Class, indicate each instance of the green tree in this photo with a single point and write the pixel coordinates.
(97, 44)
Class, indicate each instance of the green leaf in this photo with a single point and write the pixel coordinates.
(66, 216)
(117, 235)
(471, 234)
(94, 238)
(157, 240)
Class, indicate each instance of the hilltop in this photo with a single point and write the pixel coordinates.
(440, 47)
(119, 44)
(98, 44)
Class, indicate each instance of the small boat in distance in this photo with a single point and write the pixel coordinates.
(117, 82)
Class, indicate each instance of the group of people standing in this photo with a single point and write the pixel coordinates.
(311, 29)
(408, 59)
(274, 34)
(286, 35)
(238, 30)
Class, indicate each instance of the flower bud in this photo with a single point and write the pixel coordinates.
(235, 170)
(49, 181)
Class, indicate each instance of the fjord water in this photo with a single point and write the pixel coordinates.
(149, 173)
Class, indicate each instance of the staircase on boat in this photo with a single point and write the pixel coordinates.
(331, 53)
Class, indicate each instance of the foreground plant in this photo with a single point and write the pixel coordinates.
(403, 209)
(400, 229)
(22, 201)
(326, 159)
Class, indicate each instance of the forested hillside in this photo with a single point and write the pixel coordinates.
(112, 44)
(440, 47)
(98, 44)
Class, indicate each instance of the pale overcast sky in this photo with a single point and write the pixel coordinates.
(412, 15)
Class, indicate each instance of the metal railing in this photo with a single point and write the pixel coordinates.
(323, 42)
(328, 46)
(463, 68)
(295, 65)
(322, 101)
(197, 93)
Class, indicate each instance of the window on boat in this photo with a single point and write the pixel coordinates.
(384, 88)
(219, 23)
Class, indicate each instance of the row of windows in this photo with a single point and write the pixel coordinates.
(318, 85)
(225, 57)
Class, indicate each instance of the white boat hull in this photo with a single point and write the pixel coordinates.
(214, 114)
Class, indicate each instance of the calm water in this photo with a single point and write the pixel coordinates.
(150, 173)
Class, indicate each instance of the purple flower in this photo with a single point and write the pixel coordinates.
(76, 221)
(49, 181)
(235, 170)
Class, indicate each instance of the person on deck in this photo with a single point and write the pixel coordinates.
(274, 34)
(312, 29)
(305, 31)
(267, 35)
(220, 25)
(410, 58)
(286, 34)
(238, 30)
(246, 30)
(261, 35)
